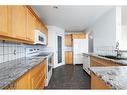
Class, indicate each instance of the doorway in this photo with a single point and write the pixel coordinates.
(59, 49)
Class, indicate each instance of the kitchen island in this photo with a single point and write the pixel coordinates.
(114, 77)
(116, 61)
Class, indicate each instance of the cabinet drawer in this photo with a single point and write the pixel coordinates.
(41, 83)
(38, 75)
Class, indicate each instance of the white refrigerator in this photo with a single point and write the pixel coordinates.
(80, 46)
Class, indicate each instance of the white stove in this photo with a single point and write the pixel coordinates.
(49, 61)
(49, 65)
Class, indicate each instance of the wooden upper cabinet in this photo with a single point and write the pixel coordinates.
(19, 22)
(37, 24)
(68, 40)
(30, 26)
(79, 36)
(5, 21)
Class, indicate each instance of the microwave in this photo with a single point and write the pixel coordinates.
(40, 38)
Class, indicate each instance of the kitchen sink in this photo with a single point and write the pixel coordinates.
(113, 57)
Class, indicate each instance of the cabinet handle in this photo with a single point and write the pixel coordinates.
(14, 86)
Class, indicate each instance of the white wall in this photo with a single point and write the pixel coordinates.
(105, 30)
(124, 37)
(53, 31)
(124, 28)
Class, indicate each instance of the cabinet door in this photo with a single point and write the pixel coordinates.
(30, 26)
(70, 58)
(79, 36)
(97, 84)
(37, 24)
(66, 57)
(19, 22)
(5, 21)
(38, 76)
(45, 31)
(23, 82)
(42, 28)
(68, 40)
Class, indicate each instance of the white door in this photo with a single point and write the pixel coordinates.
(80, 46)
(59, 49)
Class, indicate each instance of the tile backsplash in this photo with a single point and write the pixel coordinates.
(109, 50)
(10, 51)
(105, 50)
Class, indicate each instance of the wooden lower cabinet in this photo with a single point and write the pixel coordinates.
(33, 79)
(23, 82)
(98, 84)
(94, 62)
(68, 57)
(38, 76)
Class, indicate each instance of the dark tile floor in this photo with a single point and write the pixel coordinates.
(69, 77)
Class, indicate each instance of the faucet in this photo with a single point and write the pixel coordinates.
(117, 50)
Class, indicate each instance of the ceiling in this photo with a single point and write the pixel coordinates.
(71, 18)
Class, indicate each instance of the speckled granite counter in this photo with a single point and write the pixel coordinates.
(121, 62)
(115, 77)
(10, 71)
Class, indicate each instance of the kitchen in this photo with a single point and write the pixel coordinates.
(62, 47)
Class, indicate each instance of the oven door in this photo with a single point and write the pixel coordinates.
(50, 63)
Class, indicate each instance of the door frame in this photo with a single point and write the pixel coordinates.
(56, 58)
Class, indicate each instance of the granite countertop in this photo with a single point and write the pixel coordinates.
(115, 77)
(10, 71)
(121, 62)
